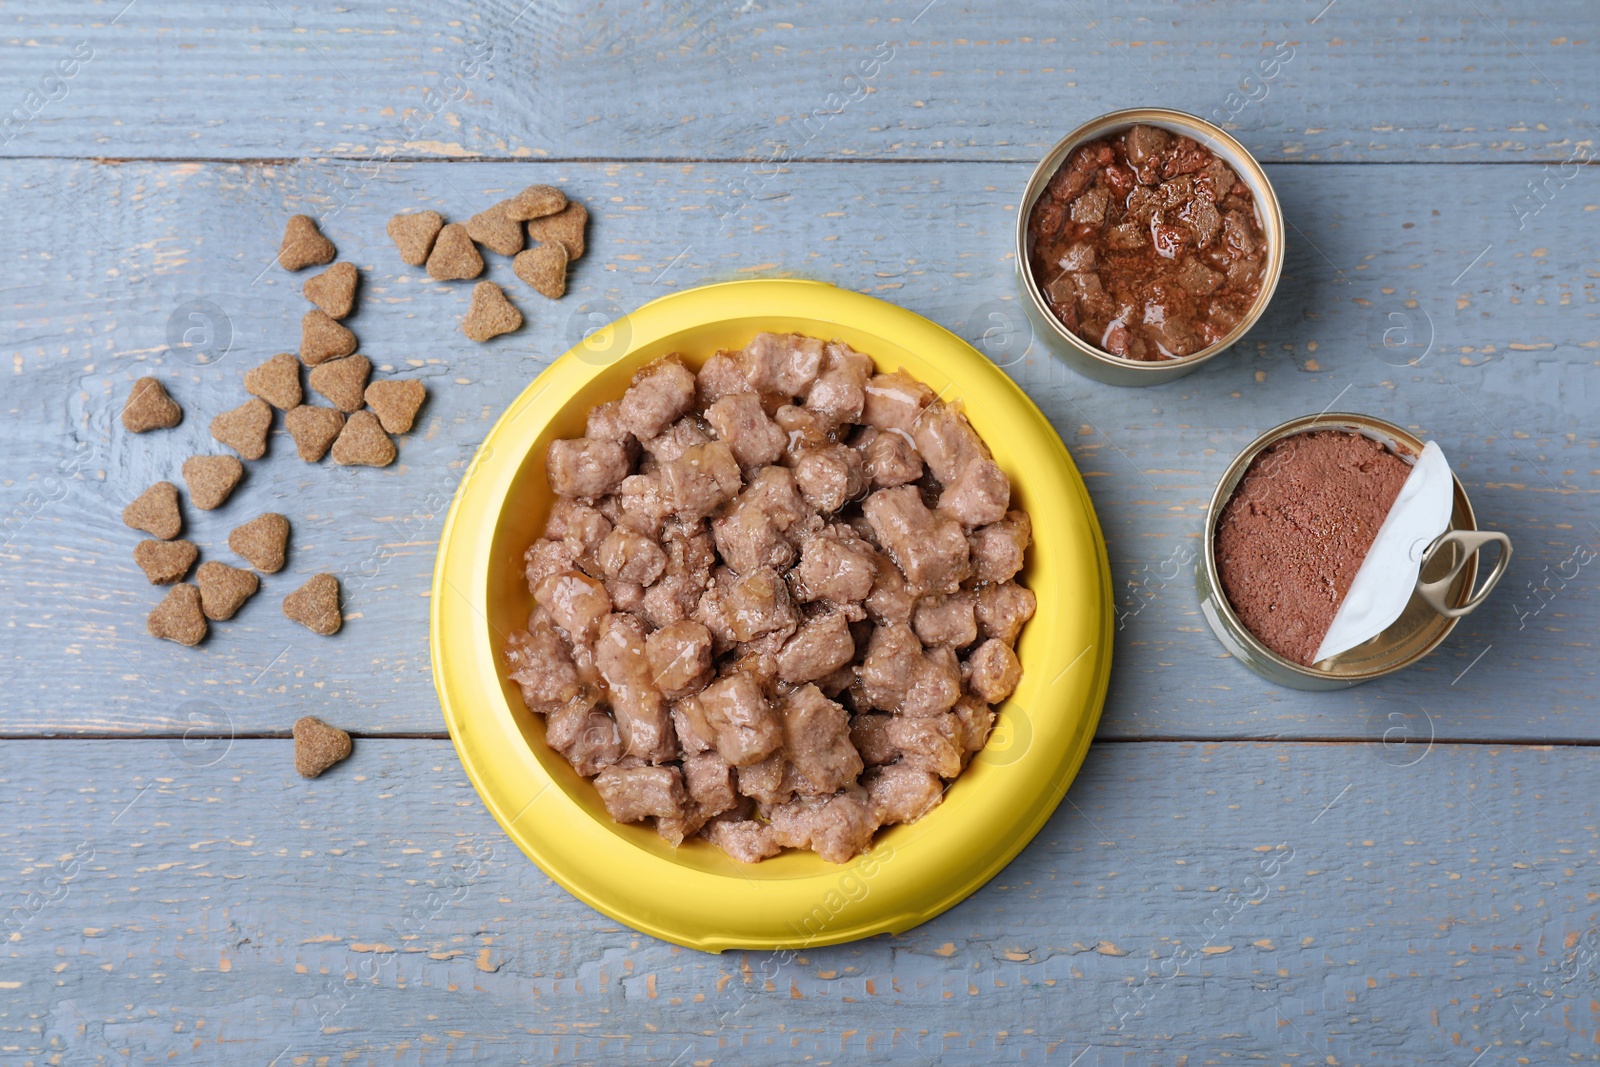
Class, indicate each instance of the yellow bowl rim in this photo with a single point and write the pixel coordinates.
(905, 879)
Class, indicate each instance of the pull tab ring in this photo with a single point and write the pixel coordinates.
(1471, 542)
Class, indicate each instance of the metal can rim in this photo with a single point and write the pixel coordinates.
(1282, 669)
(1208, 134)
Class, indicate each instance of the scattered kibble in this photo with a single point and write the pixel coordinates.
(150, 407)
(342, 381)
(565, 227)
(304, 245)
(495, 230)
(491, 313)
(155, 511)
(334, 290)
(322, 339)
(277, 381)
(362, 443)
(536, 201)
(318, 746)
(244, 428)
(178, 617)
(395, 402)
(165, 562)
(454, 256)
(224, 589)
(314, 429)
(263, 541)
(211, 479)
(315, 605)
(545, 268)
(414, 235)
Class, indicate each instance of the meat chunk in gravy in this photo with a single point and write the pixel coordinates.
(929, 547)
(749, 623)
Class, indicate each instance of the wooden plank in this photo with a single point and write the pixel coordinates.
(1401, 914)
(106, 256)
(904, 79)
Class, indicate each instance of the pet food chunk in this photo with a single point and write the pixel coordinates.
(747, 728)
(837, 828)
(993, 671)
(929, 547)
(816, 740)
(821, 646)
(583, 467)
(632, 793)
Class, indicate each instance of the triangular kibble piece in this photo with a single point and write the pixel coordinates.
(334, 290)
(343, 381)
(414, 235)
(545, 268)
(304, 245)
(211, 479)
(322, 339)
(491, 314)
(277, 381)
(536, 201)
(244, 429)
(566, 227)
(395, 401)
(318, 746)
(165, 562)
(224, 589)
(178, 617)
(150, 407)
(155, 511)
(264, 541)
(362, 443)
(454, 256)
(313, 429)
(315, 605)
(495, 230)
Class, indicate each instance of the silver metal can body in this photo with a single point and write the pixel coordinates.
(1419, 629)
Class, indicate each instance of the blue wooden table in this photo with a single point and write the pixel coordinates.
(1401, 873)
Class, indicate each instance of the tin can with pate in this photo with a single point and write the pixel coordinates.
(1073, 350)
(1446, 589)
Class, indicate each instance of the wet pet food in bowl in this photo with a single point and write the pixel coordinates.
(774, 600)
(1147, 245)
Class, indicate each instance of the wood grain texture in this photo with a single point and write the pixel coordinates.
(1241, 873)
(696, 79)
(211, 904)
(1507, 388)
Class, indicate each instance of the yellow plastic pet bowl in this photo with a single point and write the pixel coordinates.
(695, 895)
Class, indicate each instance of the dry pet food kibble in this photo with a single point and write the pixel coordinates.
(155, 511)
(149, 407)
(304, 245)
(565, 227)
(454, 256)
(165, 562)
(263, 541)
(334, 290)
(211, 479)
(244, 429)
(343, 381)
(491, 313)
(535, 202)
(414, 235)
(495, 230)
(277, 381)
(362, 443)
(322, 339)
(224, 589)
(318, 746)
(178, 617)
(315, 605)
(313, 430)
(395, 402)
(544, 268)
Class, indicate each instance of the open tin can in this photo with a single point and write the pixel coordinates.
(1446, 588)
(1073, 350)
